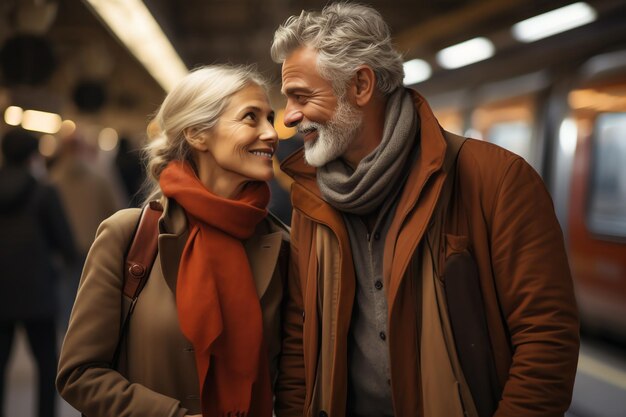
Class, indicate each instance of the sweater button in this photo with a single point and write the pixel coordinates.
(323, 413)
(378, 285)
(382, 335)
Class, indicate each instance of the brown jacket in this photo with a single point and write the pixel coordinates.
(158, 373)
(503, 215)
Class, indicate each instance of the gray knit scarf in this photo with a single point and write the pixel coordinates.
(363, 190)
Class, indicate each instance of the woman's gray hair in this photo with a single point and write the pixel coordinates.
(346, 36)
(196, 102)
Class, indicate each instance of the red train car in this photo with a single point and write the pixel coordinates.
(597, 205)
(570, 125)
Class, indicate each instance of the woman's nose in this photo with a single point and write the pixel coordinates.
(269, 134)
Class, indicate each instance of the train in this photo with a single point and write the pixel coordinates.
(569, 123)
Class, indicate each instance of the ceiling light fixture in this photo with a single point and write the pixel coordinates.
(553, 22)
(67, 128)
(13, 115)
(416, 71)
(136, 28)
(41, 121)
(465, 53)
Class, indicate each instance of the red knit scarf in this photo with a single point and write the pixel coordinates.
(218, 306)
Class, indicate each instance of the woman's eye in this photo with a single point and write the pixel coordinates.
(250, 115)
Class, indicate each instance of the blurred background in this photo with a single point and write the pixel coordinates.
(544, 78)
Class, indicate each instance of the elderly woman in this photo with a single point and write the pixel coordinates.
(204, 333)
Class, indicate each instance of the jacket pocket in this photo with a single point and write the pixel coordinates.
(455, 244)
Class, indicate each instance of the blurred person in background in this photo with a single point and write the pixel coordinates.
(130, 169)
(429, 274)
(87, 196)
(88, 199)
(204, 335)
(33, 228)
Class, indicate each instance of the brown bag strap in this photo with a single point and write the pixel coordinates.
(465, 316)
(138, 263)
(142, 250)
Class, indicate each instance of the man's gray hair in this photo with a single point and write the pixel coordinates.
(346, 36)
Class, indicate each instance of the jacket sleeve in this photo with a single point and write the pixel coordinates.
(290, 387)
(85, 378)
(536, 295)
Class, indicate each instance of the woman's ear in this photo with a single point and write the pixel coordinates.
(196, 139)
(364, 85)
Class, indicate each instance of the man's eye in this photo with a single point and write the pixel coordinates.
(298, 98)
(271, 119)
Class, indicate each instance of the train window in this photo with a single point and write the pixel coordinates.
(607, 208)
(514, 136)
(450, 119)
(507, 123)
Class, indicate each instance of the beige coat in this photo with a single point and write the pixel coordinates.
(158, 374)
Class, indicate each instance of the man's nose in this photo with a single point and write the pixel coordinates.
(292, 116)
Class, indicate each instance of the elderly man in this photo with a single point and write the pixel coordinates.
(428, 271)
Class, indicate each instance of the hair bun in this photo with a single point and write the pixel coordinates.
(153, 130)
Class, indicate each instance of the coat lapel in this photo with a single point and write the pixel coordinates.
(262, 251)
(417, 202)
(172, 239)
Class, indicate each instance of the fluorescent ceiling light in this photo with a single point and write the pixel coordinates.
(415, 71)
(553, 22)
(133, 24)
(67, 127)
(568, 134)
(465, 53)
(13, 115)
(41, 121)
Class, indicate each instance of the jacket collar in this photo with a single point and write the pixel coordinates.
(418, 200)
(262, 248)
(306, 196)
(302, 173)
(415, 206)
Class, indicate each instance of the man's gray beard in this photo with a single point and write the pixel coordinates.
(333, 137)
